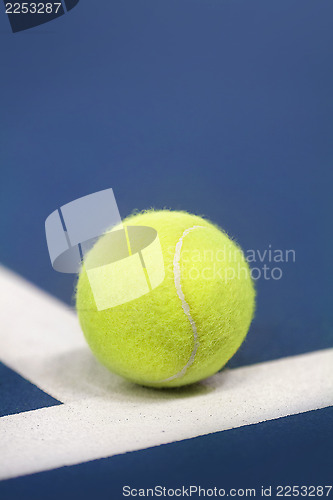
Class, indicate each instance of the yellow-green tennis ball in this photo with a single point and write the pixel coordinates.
(186, 328)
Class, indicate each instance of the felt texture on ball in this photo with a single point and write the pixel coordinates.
(189, 326)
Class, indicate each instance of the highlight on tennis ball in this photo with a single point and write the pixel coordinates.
(164, 298)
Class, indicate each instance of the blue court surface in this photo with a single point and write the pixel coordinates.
(222, 108)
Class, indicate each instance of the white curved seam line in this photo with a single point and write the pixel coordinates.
(185, 305)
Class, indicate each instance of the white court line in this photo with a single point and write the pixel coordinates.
(105, 415)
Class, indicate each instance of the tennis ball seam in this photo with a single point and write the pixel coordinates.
(185, 306)
(151, 339)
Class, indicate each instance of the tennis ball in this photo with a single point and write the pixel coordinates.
(186, 328)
